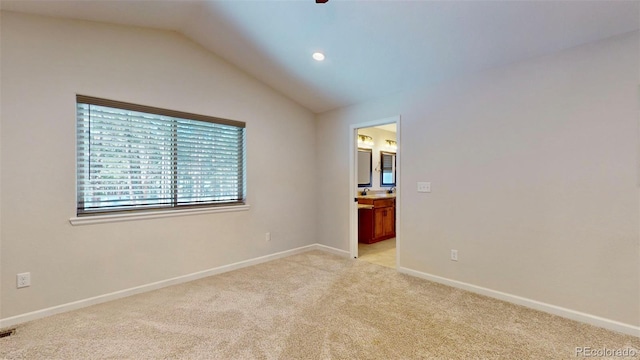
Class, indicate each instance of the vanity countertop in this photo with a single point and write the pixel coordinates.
(378, 196)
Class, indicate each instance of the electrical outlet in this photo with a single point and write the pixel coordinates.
(267, 236)
(454, 255)
(424, 187)
(23, 280)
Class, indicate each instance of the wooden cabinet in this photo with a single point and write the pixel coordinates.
(376, 223)
(365, 225)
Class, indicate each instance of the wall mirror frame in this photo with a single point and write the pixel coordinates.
(387, 168)
(364, 167)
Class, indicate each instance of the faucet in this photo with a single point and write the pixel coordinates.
(391, 190)
(364, 191)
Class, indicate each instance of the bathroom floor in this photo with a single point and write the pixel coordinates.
(381, 253)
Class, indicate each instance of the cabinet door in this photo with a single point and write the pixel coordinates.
(378, 221)
(389, 222)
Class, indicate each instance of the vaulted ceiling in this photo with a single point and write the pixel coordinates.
(372, 48)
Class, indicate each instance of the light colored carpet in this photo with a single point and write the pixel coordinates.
(308, 306)
(381, 253)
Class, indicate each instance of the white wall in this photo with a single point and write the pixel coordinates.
(45, 62)
(379, 136)
(534, 178)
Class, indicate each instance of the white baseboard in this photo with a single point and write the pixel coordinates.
(22, 318)
(332, 250)
(533, 304)
(552, 309)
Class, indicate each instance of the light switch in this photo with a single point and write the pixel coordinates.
(424, 187)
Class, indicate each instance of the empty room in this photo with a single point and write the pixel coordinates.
(312, 179)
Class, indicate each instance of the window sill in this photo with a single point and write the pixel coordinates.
(108, 218)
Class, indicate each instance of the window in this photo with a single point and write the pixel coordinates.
(388, 169)
(133, 157)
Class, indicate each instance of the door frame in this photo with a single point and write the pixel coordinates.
(353, 185)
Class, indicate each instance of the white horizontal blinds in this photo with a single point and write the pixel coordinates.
(134, 157)
(124, 159)
(210, 162)
(387, 163)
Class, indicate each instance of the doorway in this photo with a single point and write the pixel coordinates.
(375, 191)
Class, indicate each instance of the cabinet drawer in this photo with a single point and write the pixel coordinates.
(384, 203)
(365, 201)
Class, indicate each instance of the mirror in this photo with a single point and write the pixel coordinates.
(364, 167)
(387, 168)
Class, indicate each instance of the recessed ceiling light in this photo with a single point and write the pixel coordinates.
(318, 56)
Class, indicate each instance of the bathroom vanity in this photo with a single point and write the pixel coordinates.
(376, 218)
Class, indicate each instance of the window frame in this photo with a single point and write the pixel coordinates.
(158, 210)
(392, 170)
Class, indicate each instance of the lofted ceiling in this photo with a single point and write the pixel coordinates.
(372, 48)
